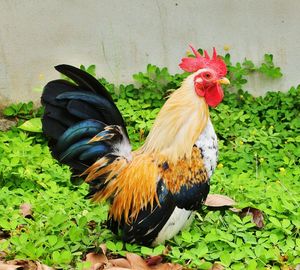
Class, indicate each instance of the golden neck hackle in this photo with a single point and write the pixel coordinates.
(178, 124)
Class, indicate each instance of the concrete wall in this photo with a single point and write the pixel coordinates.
(122, 37)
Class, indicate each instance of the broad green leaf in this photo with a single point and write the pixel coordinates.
(32, 125)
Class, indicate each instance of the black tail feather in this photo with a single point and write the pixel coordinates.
(54, 89)
(67, 105)
(84, 80)
(86, 110)
(109, 113)
(52, 128)
(58, 114)
(78, 131)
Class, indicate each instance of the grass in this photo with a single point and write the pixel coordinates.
(258, 167)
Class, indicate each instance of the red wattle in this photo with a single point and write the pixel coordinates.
(214, 95)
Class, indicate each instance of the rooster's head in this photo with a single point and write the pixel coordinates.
(208, 75)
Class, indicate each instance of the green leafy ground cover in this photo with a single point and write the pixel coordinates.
(258, 166)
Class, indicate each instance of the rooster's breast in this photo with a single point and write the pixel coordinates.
(182, 215)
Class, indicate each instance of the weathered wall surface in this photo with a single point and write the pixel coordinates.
(121, 37)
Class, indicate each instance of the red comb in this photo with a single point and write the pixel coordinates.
(192, 64)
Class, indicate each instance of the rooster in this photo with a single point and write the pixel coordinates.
(153, 191)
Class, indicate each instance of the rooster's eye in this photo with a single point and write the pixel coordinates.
(207, 75)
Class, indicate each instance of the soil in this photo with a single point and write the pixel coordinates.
(6, 124)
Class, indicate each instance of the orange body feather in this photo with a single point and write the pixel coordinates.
(184, 172)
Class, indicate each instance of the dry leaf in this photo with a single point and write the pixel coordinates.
(4, 266)
(98, 261)
(118, 268)
(26, 210)
(257, 216)
(217, 266)
(103, 248)
(120, 262)
(24, 265)
(217, 200)
(235, 210)
(167, 266)
(167, 249)
(2, 254)
(153, 260)
(136, 262)
(43, 266)
(131, 262)
(284, 257)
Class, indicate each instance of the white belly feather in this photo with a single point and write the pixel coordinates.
(181, 218)
(208, 144)
(177, 221)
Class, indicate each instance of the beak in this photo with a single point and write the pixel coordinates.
(223, 80)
